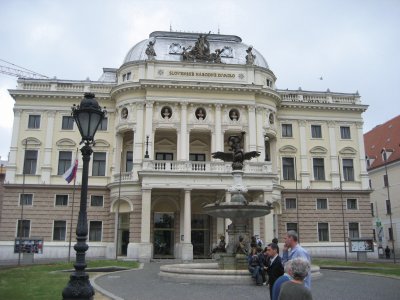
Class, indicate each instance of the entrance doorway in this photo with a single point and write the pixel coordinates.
(164, 235)
(201, 235)
(123, 234)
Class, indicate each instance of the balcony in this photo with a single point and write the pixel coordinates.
(189, 168)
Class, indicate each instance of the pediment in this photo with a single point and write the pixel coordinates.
(348, 151)
(318, 150)
(288, 149)
(101, 143)
(165, 142)
(31, 141)
(65, 143)
(198, 143)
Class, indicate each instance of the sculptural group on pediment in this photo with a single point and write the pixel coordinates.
(201, 51)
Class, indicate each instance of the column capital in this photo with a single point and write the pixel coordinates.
(359, 125)
(17, 112)
(218, 105)
(149, 103)
(331, 124)
(251, 108)
(302, 123)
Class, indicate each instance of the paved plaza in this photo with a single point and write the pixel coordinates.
(145, 284)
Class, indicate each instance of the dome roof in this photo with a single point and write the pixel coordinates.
(168, 46)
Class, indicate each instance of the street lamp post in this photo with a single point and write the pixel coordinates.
(147, 147)
(88, 116)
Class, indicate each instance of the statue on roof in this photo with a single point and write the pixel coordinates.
(250, 57)
(150, 52)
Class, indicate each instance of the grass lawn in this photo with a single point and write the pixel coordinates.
(41, 282)
(367, 267)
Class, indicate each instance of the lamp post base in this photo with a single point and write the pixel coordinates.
(78, 287)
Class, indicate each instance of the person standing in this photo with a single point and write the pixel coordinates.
(276, 289)
(387, 252)
(291, 242)
(275, 268)
(295, 289)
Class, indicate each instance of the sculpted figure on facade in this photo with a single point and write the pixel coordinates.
(201, 51)
(250, 57)
(150, 52)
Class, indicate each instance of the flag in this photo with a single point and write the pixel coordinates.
(70, 174)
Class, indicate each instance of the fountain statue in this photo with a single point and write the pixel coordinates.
(239, 209)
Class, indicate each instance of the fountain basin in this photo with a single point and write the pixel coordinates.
(235, 210)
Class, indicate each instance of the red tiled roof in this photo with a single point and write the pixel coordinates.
(386, 135)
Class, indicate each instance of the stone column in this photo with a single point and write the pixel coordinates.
(12, 160)
(149, 128)
(304, 173)
(219, 145)
(361, 150)
(146, 247)
(268, 220)
(187, 247)
(228, 222)
(333, 156)
(138, 137)
(260, 137)
(183, 144)
(117, 153)
(252, 135)
(46, 167)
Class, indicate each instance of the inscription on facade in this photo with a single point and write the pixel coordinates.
(201, 74)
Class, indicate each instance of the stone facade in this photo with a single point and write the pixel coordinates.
(152, 161)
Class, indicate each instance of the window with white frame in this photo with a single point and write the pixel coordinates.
(96, 200)
(64, 161)
(67, 123)
(61, 200)
(345, 132)
(291, 226)
(25, 199)
(354, 231)
(322, 203)
(319, 169)
(103, 124)
(348, 169)
(316, 131)
(34, 122)
(287, 130)
(24, 227)
(30, 162)
(290, 203)
(351, 203)
(99, 164)
(323, 232)
(59, 230)
(288, 168)
(95, 231)
(129, 161)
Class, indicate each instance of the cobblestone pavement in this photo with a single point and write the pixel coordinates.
(144, 284)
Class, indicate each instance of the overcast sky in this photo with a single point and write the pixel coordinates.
(353, 45)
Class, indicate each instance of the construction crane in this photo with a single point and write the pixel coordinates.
(17, 71)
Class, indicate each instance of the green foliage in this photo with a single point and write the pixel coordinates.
(44, 282)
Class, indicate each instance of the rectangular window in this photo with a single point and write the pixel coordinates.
(103, 124)
(351, 203)
(26, 228)
(197, 157)
(287, 130)
(95, 228)
(128, 76)
(322, 203)
(385, 181)
(370, 184)
(67, 123)
(390, 231)
(319, 169)
(288, 168)
(99, 164)
(354, 231)
(316, 131)
(59, 230)
(25, 199)
(374, 234)
(345, 132)
(372, 210)
(323, 232)
(96, 200)
(123, 77)
(61, 200)
(164, 156)
(290, 203)
(34, 122)
(348, 170)
(129, 161)
(30, 162)
(291, 226)
(388, 207)
(64, 161)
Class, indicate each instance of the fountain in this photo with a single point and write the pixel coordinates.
(238, 209)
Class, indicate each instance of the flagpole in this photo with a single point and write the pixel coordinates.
(72, 212)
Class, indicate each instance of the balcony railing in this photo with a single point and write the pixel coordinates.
(185, 167)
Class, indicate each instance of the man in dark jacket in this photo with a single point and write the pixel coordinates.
(275, 268)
